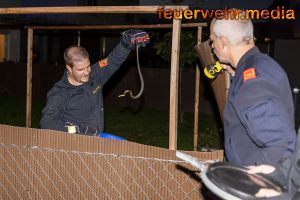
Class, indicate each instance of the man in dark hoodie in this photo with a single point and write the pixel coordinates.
(75, 103)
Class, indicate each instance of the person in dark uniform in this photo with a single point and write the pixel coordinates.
(259, 112)
(286, 172)
(75, 103)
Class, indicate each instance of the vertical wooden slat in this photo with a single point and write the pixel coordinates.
(29, 77)
(174, 84)
(227, 79)
(197, 95)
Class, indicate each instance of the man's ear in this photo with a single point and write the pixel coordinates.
(68, 68)
(224, 42)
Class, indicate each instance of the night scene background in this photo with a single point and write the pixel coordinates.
(278, 38)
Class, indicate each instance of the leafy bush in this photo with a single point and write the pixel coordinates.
(187, 55)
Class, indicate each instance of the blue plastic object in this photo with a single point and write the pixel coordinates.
(110, 136)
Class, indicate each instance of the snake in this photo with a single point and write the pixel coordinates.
(141, 79)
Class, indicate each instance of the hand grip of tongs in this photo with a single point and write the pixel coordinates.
(193, 161)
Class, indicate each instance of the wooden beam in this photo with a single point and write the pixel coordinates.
(100, 27)
(197, 94)
(29, 77)
(174, 84)
(88, 9)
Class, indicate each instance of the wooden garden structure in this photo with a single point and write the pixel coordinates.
(174, 75)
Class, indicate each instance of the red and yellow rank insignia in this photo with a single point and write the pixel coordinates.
(103, 62)
(249, 74)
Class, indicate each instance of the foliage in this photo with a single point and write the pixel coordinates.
(187, 55)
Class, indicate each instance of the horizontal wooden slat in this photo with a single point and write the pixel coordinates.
(86, 9)
(141, 26)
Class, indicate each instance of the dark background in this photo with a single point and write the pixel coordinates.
(282, 44)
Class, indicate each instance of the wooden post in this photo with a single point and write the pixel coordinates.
(29, 77)
(227, 79)
(174, 84)
(197, 94)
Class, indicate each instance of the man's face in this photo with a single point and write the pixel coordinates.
(215, 43)
(221, 51)
(80, 72)
(219, 45)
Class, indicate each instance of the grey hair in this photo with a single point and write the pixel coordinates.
(236, 27)
(75, 54)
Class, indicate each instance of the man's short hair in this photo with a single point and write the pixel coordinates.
(75, 54)
(236, 27)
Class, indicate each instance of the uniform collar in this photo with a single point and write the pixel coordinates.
(66, 81)
(68, 84)
(246, 56)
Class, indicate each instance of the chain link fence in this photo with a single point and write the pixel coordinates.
(37, 173)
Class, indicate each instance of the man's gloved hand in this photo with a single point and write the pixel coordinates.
(134, 37)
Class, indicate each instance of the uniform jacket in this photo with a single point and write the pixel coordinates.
(259, 113)
(82, 105)
(288, 174)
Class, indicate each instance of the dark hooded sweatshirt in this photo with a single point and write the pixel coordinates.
(82, 105)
